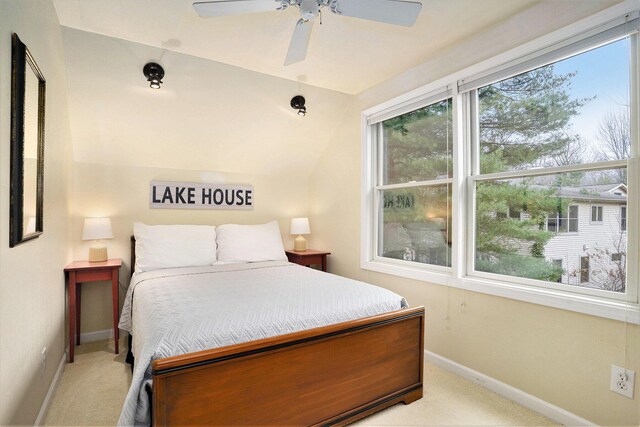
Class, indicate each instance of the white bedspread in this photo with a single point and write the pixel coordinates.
(182, 310)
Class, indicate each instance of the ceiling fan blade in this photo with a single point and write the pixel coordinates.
(299, 42)
(234, 7)
(397, 12)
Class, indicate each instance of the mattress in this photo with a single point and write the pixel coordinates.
(182, 310)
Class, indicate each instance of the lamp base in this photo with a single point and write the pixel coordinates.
(300, 244)
(97, 253)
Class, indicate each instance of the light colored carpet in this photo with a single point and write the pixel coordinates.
(92, 391)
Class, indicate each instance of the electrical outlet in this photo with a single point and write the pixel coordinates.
(622, 381)
(43, 361)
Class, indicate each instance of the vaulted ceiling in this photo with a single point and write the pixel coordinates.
(224, 105)
(345, 54)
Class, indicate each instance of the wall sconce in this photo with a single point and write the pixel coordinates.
(154, 74)
(297, 103)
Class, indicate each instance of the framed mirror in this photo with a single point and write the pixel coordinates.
(27, 145)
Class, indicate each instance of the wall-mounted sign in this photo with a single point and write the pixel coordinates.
(189, 195)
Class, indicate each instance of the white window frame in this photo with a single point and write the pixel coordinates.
(375, 125)
(623, 218)
(460, 274)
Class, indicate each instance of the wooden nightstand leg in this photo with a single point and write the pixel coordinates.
(116, 304)
(78, 304)
(72, 313)
(324, 263)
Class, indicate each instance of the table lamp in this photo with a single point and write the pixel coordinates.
(300, 226)
(97, 229)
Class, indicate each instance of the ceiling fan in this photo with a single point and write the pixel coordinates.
(397, 12)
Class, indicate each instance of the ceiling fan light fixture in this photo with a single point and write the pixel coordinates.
(154, 74)
(297, 103)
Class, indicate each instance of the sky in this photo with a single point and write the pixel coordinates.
(603, 73)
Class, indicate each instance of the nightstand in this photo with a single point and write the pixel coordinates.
(309, 257)
(83, 272)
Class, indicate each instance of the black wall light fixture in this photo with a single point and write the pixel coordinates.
(297, 103)
(154, 74)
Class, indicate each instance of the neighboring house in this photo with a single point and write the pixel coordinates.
(590, 241)
(590, 244)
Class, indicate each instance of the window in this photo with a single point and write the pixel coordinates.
(563, 221)
(413, 194)
(489, 179)
(596, 213)
(535, 150)
(584, 269)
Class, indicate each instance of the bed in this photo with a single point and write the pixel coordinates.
(266, 343)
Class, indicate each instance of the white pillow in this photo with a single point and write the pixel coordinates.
(168, 246)
(250, 243)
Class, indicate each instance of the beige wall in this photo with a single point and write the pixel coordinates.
(122, 193)
(32, 292)
(559, 356)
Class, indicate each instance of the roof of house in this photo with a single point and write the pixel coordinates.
(602, 192)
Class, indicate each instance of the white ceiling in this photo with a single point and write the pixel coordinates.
(345, 54)
(208, 116)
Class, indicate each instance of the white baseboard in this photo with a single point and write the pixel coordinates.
(540, 406)
(52, 389)
(105, 334)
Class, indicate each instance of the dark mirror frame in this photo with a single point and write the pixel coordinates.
(21, 63)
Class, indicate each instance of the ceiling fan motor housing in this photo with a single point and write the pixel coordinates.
(309, 9)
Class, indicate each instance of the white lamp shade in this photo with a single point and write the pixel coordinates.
(300, 226)
(97, 228)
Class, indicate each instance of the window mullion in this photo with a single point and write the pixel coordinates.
(586, 167)
(460, 169)
(472, 144)
(414, 184)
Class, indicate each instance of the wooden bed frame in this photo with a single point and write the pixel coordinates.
(331, 375)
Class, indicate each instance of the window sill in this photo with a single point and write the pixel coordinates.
(609, 309)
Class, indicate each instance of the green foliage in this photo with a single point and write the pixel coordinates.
(537, 250)
(525, 118)
(418, 144)
(521, 266)
(495, 199)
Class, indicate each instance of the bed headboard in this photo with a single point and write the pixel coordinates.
(133, 254)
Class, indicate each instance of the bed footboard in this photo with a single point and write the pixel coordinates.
(330, 375)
